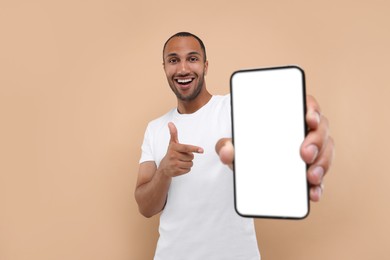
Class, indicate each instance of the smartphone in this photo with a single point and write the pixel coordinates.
(268, 108)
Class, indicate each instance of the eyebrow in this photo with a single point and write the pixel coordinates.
(194, 53)
(190, 53)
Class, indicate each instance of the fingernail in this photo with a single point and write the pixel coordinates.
(317, 116)
(319, 192)
(229, 145)
(318, 173)
(314, 150)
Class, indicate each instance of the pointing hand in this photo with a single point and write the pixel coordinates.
(178, 159)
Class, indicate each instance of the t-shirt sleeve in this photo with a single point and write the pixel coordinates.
(147, 147)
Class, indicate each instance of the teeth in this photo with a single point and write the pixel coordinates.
(183, 81)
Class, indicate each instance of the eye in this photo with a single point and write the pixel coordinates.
(173, 60)
(193, 59)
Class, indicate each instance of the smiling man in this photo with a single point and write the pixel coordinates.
(181, 175)
(185, 65)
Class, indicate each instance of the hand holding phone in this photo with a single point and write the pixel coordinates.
(268, 121)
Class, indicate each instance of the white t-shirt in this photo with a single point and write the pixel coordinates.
(199, 221)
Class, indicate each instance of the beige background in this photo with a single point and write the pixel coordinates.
(79, 80)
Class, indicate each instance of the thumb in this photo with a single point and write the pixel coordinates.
(173, 133)
(225, 150)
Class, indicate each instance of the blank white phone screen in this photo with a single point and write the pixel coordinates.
(268, 115)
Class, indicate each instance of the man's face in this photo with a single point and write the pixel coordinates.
(185, 67)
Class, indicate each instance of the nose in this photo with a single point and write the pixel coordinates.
(183, 68)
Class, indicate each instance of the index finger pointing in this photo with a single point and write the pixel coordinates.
(187, 148)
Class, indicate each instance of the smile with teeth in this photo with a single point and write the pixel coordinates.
(184, 81)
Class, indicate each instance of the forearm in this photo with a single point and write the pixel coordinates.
(151, 196)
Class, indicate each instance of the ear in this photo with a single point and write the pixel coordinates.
(206, 66)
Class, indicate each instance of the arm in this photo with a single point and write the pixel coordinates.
(152, 189)
(153, 183)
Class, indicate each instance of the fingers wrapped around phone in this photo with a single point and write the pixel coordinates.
(315, 140)
(317, 150)
(313, 114)
(317, 171)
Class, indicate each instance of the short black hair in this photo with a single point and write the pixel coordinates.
(187, 34)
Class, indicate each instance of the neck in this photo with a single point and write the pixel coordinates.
(189, 107)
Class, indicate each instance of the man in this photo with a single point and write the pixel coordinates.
(181, 176)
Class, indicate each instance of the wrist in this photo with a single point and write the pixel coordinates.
(163, 174)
